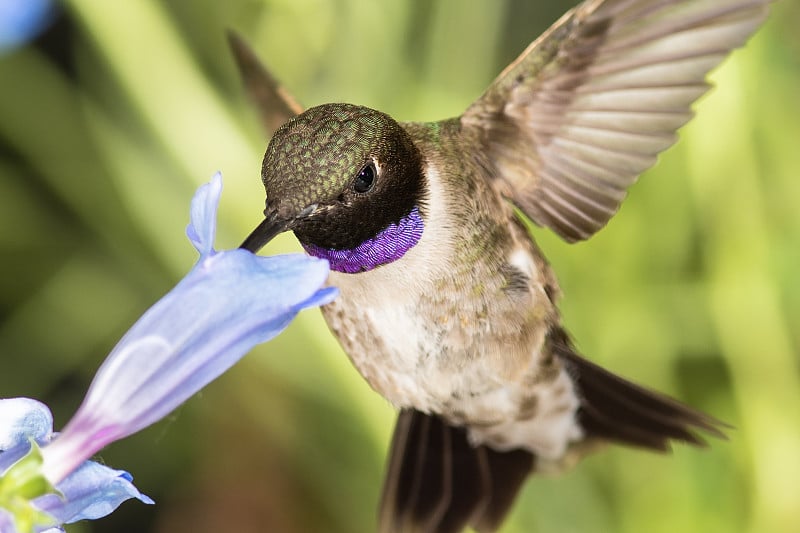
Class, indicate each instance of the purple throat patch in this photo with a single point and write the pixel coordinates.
(389, 245)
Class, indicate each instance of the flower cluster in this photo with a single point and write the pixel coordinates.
(229, 302)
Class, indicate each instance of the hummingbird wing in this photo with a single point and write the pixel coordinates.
(274, 103)
(586, 108)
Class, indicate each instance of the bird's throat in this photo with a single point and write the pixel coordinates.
(390, 244)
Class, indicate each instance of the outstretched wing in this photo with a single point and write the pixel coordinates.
(273, 102)
(573, 121)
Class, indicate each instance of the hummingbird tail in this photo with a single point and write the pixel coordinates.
(614, 409)
(437, 482)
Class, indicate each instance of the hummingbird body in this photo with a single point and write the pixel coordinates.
(456, 326)
(447, 307)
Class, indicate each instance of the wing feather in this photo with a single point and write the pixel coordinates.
(272, 101)
(573, 122)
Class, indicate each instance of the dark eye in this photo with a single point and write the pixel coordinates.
(365, 179)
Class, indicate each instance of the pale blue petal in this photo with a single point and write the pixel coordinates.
(6, 521)
(22, 419)
(229, 302)
(22, 20)
(203, 219)
(90, 492)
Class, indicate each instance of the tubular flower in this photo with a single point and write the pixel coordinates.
(229, 302)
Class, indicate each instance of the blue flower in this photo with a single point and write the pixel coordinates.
(229, 302)
(22, 20)
(92, 491)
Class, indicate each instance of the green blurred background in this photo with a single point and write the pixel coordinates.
(114, 116)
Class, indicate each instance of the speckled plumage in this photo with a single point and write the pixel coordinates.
(336, 139)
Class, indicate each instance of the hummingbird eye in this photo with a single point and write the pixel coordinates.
(365, 179)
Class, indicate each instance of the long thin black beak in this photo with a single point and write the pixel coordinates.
(265, 232)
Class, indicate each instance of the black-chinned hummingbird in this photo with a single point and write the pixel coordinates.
(447, 307)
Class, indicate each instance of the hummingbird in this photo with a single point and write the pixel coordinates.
(447, 307)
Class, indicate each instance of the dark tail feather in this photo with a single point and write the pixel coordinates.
(617, 410)
(437, 482)
(508, 471)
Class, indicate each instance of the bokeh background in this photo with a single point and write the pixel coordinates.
(112, 117)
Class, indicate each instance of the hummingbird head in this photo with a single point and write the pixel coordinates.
(340, 176)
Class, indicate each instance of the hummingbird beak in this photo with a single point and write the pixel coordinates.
(271, 226)
(264, 232)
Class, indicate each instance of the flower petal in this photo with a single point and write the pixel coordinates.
(92, 491)
(22, 419)
(226, 305)
(203, 220)
(6, 521)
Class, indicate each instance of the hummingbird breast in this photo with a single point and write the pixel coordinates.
(457, 326)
